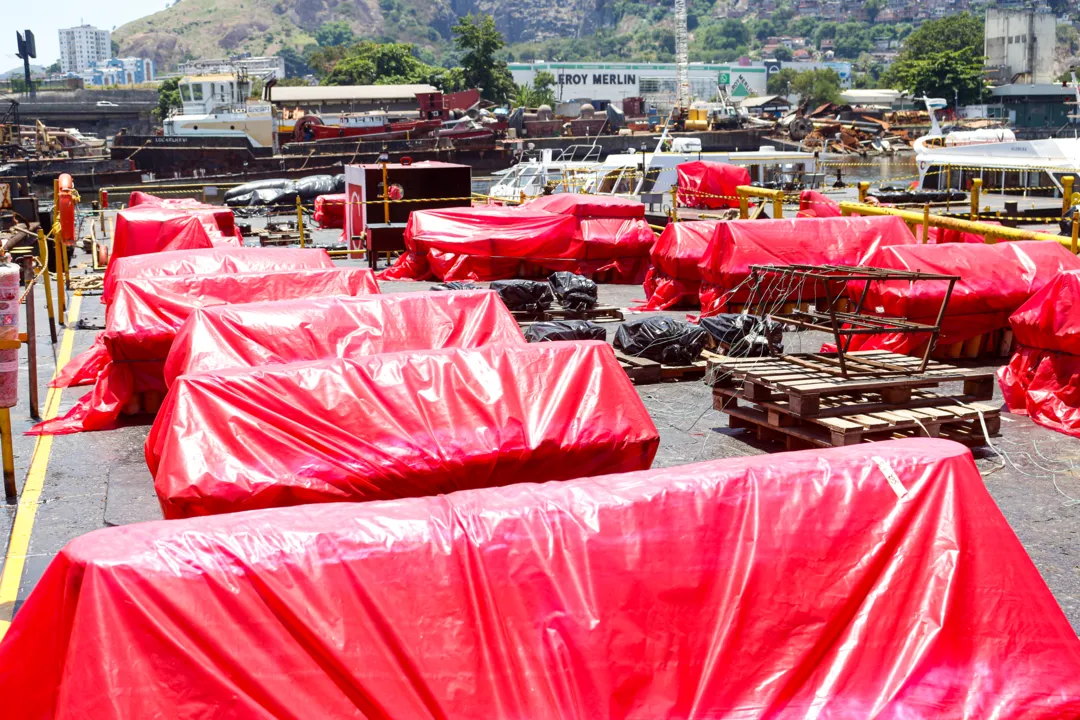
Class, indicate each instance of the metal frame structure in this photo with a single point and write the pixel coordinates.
(845, 325)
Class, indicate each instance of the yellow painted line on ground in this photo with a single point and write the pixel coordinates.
(26, 510)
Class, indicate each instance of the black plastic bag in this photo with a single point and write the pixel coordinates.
(310, 187)
(574, 292)
(526, 295)
(339, 183)
(565, 330)
(455, 285)
(662, 339)
(275, 183)
(740, 335)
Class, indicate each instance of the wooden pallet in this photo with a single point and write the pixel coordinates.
(596, 314)
(807, 378)
(643, 371)
(947, 419)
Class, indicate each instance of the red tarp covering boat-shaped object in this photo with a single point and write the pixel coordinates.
(84, 368)
(711, 185)
(814, 204)
(674, 279)
(995, 280)
(740, 588)
(738, 244)
(606, 238)
(330, 210)
(138, 198)
(395, 425)
(285, 331)
(145, 315)
(1043, 378)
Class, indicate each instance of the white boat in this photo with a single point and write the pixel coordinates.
(218, 106)
(650, 176)
(937, 138)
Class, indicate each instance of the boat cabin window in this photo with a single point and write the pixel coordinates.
(185, 93)
(197, 92)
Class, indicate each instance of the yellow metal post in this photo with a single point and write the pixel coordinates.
(300, 220)
(976, 190)
(43, 251)
(744, 207)
(864, 189)
(10, 491)
(1075, 234)
(674, 204)
(777, 207)
(926, 223)
(1066, 192)
(58, 261)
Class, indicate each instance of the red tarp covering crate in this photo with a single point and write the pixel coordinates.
(84, 368)
(709, 185)
(738, 244)
(286, 331)
(995, 280)
(595, 235)
(330, 210)
(814, 204)
(1043, 378)
(151, 228)
(145, 315)
(674, 279)
(395, 425)
(862, 582)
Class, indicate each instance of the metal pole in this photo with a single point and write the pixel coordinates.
(11, 493)
(300, 220)
(976, 189)
(948, 187)
(1066, 191)
(926, 223)
(777, 207)
(43, 252)
(386, 194)
(744, 207)
(864, 189)
(674, 204)
(1076, 231)
(31, 337)
(58, 262)
(103, 202)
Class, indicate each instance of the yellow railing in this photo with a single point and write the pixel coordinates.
(746, 192)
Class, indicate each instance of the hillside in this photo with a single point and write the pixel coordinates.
(215, 28)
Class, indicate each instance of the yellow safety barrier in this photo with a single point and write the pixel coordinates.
(989, 232)
(745, 192)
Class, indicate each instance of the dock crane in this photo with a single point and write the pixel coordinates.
(686, 114)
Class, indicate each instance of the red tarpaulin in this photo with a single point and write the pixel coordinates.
(813, 204)
(330, 210)
(84, 368)
(876, 581)
(144, 315)
(153, 228)
(286, 331)
(994, 281)
(674, 279)
(710, 185)
(1043, 378)
(738, 244)
(590, 235)
(395, 425)
(140, 198)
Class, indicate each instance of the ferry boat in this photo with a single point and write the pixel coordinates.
(219, 105)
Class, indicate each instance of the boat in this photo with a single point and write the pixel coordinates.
(218, 105)
(938, 138)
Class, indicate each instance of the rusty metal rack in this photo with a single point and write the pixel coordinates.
(846, 324)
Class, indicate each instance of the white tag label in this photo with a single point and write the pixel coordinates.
(887, 471)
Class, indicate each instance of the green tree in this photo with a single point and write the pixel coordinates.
(478, 40)
(336, 33)
(819, 86)
(168, 98)
(295, 64)
(53, 69)
(541, 92)
(873, 7)
(1068, 39)
(784, 54)
(371, 63)
(954, 32)
(781, 83)
(942, 74)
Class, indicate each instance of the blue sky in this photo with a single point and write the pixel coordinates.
(45, 17)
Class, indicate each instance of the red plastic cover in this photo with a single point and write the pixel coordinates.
(154, 228)
(395, 425)
(330, 210)
(674, 278)
(741, 588)
(145, 315)
(738, 244)
(814, 204)
(1043, 378)
(995, 280)
(285, 331)
(140, 198)
(703, 184)
(582, 205)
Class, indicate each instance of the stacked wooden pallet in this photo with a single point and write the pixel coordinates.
(279, 234)
(803, 400)
(643, 371)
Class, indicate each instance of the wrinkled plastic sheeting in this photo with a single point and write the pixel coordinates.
(674, 279)
(661, 339)
(814, 204)
(84, 368)
(492, 243)
(154, 228)
(745, 335)
(554, 330)
(140, 198)
(875, 581)
(395, 425)
(145, 314)
(710, 185)
(330, 210)
(995, 280)
(572, 291)
(588, 206)
(738, 244)
(1042, 379)
(286, 331)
